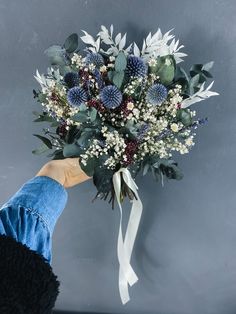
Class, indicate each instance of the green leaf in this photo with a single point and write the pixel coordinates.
(45, 140)
(80, 117)
(71, 43)
(71, 150)
(56, 55)
(145, 169)
(42, 149)
(84, 137)
(44, 118)
(208, 66)
(90, 167)
(55, 124)
(83, 107)
(42, 97)
(193, 83)
(93, 114)
(118, 78)
(165, 69)
(120, 62)
(63, 69)
(110, 74)
(102, 179)
(184, 116)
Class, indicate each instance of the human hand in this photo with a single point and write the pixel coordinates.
(66, 171)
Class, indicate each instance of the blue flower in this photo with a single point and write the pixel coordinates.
(76, 96)
(136, 67)
(95, 58)
(111, 96)
(156, 94)
(71, 79)
(98, 78)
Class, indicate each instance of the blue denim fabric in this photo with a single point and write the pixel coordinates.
(30, 215)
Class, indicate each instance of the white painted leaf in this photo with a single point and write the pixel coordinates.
(199, 96)
(118, 38)
(148, 39)
(97, 44)
(87, 39)
(111, 30)
(136, 50)
(122, 42)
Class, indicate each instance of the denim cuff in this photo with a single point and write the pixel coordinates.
(45, 196)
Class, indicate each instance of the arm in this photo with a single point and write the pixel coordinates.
(66, 171)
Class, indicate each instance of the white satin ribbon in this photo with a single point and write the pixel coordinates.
(124, 248)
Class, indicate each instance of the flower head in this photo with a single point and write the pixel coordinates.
(76, 96)
(136, 67)
(71, 79)
(156, 94)
(111, 96)
(95, 58)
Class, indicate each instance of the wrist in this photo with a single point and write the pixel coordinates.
(52, 171)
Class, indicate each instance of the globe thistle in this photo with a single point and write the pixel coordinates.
(156, 94)
(135, 67)
(98, 78)
(71, 79)
(111, 96)
(95, 58)
(76, 96)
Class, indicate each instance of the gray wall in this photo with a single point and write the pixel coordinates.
(185, 252)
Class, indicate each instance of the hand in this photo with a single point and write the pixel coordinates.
(66, 171)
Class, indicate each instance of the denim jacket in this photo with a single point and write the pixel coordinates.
(30, 215)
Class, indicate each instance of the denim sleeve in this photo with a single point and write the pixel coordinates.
(44, 196)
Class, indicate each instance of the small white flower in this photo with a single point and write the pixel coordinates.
(174, 127)
(130, 105)
(103, 68)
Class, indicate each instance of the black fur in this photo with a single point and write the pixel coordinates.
(27, 282)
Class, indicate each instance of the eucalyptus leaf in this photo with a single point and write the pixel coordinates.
(184, 116)
(80, 117)
(89, 168)
(56, 55)
(93, 114)
(118, 78)
(165, 69)
(120, 62)
(45, 140)
(71, 43)
(102, 179)
(71, 150)
(42, 149)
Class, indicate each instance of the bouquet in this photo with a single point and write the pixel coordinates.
(122, 110)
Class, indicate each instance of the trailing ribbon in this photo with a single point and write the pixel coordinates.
(124, 248)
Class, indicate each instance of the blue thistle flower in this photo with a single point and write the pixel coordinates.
(71, 79)
(76, 96)
(95, 58)
(156, 94)
(135, 67)
(98, 78)
(111, 96)
(142, 131)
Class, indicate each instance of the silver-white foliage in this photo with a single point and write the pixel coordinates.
(158, 45)
(154, 45)
(199, 95)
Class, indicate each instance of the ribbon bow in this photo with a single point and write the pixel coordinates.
(125, 247)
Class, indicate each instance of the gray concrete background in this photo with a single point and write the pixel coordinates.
(185, 251)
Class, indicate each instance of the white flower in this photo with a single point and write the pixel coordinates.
(103, 68)
(130, 105)
(189, 141)
(174, 127)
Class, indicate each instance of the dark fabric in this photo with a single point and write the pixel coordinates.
(27, 282)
